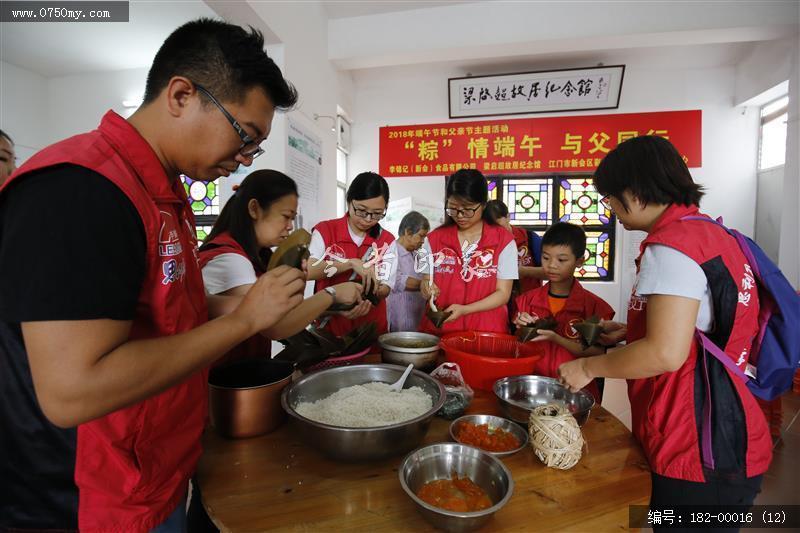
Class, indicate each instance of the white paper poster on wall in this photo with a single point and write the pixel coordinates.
(627, 277)
(304, 166)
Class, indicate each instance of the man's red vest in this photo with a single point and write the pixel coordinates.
(132, 466)
(664, 409)
(465, 284)
(339, 244)
(257, 345)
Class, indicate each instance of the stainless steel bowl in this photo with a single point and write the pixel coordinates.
(439, 461)
(518, 395)
(360, 444)
(495, 422)
(394, 353)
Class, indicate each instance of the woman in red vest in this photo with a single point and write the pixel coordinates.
(259, 216)
(700, 427)
(474, 261)
(353, 248)
(530, 274)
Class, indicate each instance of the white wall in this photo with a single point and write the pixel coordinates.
(303, 32)
(417, 94)
(766, 69)
(768, 215)
(23, 108)
(76, 104)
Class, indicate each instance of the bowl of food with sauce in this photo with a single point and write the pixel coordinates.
(455, 487)
(492, 434)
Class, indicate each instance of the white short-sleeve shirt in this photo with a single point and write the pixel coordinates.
(227, 271)
(665, 270)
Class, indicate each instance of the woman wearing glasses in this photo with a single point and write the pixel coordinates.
(475, 261)
(352, 248)
(259, 216)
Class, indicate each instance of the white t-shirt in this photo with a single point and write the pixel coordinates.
(227, 271)
(507, 265)
(665, 270)
(317, 246)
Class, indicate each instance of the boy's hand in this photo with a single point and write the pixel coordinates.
(523, 319)
(546, 335)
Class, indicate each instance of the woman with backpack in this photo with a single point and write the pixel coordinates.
(701, 429)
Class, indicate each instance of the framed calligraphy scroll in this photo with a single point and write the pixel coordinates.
(536, 92)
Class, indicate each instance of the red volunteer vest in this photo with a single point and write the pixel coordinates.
(257, 345)
(663, 408)
(525, 259)
(339, 244)
(580, 305)
(465, 284)
(132, 466)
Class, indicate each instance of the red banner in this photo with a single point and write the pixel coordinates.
(529, 145)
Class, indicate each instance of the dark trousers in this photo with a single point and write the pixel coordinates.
(669, 493)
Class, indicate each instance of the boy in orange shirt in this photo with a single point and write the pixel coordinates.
(563, 298)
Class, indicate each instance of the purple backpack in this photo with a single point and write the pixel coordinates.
(774, 356)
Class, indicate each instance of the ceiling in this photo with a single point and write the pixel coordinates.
(72, 48)
(338, 10)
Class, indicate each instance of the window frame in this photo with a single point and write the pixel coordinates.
(555, 178)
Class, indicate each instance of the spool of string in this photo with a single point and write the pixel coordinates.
(556, 438)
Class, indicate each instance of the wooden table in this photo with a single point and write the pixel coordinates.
(277, 482)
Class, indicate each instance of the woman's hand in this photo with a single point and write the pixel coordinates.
(358, 311)
(348, 293)
(613, 332)
(428, 289)
(523, 319)
(369, 278)
(457, 311)
(574, 374)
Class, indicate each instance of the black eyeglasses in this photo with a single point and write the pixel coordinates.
(249, 148)
(464, 213)
(368, 215)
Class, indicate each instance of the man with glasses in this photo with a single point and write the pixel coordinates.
(104, 331)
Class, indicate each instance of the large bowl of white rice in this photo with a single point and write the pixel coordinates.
(348, 413)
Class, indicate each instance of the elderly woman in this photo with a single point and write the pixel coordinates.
(405, 303)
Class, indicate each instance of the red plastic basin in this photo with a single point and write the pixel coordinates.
(486, 357)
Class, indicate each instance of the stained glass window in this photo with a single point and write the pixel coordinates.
(537, 202)
(202, 233)
(529, 201)
(203, 196)
(492, 190)
(579, 203)
(598, 256)
(204, 199)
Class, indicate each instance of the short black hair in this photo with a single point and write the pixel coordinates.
(7, 136)
(651, 169)
(223, 58)
(365, 186)
(468, 184)
(495, 210)
(566, 234)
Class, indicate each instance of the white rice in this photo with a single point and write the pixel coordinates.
(368, 405)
